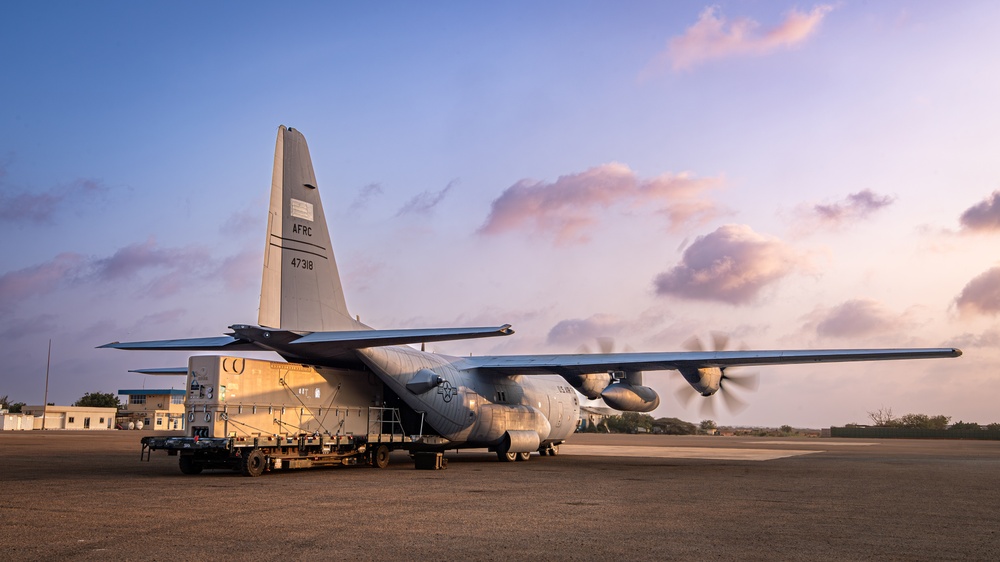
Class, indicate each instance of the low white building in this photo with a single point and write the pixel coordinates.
(15, 422)
(71, 417)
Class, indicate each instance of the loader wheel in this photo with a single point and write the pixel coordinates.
(253, 463)
(188, 466)
(380, 458)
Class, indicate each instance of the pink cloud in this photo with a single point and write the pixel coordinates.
(241, 271)
(855, 207)
(135, 258)
(17, 328)
(166, 271)
(38, 279)
(365, 196)
(715, 37)
(988, 339)
(40, 207)
(982, 294)
(983, 216)
(585, 331)
(165, 317)
(858, 317)
(733, 264)
(425, 202)
(569, 206)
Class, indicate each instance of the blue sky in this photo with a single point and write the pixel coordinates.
(797, 175)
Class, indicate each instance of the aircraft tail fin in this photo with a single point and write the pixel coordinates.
(301, 288)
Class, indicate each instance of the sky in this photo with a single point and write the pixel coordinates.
(795, 175)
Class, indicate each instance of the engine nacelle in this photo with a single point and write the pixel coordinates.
(705, 380)
(591, 385)
(630, 398)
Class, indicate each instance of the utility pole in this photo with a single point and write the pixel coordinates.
(45, 400)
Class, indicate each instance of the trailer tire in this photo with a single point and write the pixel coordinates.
(253, 463)
(188, 466)
(380, 458)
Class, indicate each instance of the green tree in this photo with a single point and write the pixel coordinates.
(707, 425)
(939, 422)
(959, 425)
(674, 426)
(98, 400)
(12, 407)
(923, 421)
(629, 422)
(786, 429)
(915, 421)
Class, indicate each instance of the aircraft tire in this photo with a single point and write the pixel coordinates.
(380, 458)
(253, 463)
(523, 456)
(503, 451)
(553, 450)
(188, 466)
(506, 457)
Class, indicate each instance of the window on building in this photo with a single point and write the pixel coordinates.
(177, 399)
(86, 423)
(137, 399)
(71, 419)
(102, 420)
(159, 421)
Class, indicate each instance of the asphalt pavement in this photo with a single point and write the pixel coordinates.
(87, 496)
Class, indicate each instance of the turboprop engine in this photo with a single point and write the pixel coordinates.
(706, 381)
(629, 395)
(591, 385)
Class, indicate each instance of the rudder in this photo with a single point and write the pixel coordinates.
(300, 288)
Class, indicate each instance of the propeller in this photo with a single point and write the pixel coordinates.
(728, 379)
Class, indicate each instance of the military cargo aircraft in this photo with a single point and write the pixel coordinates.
(513, 405)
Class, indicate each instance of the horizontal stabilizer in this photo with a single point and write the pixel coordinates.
(378, 338)
(228, 343)
(580, 364)
(161, 371)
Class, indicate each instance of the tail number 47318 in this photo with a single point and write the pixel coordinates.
(299, 263)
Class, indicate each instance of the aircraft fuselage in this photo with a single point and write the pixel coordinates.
(476, 409)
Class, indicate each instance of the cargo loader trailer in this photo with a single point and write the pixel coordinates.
(255, 416)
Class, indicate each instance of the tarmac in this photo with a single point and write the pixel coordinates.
(87, 496)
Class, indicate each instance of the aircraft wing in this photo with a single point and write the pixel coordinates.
(379, 338)
(220, 343)
(314, 345)
(161, 371)
(581, 364)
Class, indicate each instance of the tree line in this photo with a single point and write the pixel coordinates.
(883, 417)
(88, 400)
